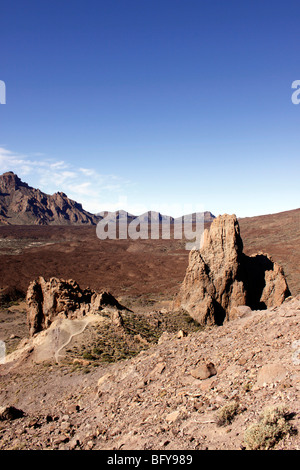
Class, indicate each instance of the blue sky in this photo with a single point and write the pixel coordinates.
(166, 105)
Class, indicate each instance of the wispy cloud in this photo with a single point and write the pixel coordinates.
(95, 191)
(9, 160)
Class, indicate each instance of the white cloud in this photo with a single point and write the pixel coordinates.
(8, 160)
(59, 165)
(87, 171)
(84, 185)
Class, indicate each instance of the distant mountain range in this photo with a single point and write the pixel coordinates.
(21, 204)
(156, 217)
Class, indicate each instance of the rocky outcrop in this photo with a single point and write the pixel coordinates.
(57, 298)
(21, 204)
(220, 277)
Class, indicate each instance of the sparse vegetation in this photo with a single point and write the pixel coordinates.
(272, 426)
(247, 386)
(226, 414)
(107, 344)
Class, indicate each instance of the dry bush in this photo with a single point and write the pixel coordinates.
(272, 426)
(226, 414)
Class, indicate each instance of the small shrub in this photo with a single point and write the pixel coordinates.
(272, 426)
(88, 355)
(226, 414)
(247, 386)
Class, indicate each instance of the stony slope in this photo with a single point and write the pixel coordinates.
(159, 400)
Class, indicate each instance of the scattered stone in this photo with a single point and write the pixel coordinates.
(73, 408)
(163, 311)
(10, 413)
(181, 334)
(204, 371)
(239, 312)
(13, 336)
(141, 384)
(159, 368)
(271, 373)
(82, 362)
(116, 319)
(208, 384)
(242, 360)
(34, 423)
(164, 337)
(104, 382)
(73, 443)
(60, 440)
(173, 416)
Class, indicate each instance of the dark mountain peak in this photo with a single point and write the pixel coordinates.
(21, 204)
(61, 194)
(9, 181)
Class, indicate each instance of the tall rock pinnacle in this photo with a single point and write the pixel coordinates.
(220, 276)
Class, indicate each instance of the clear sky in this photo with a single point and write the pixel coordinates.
(169, 105)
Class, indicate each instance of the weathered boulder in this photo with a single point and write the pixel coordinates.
(9, 413)
(204, 371)
(239, 312)
(269, 373)
(221, 277)
(47, 300)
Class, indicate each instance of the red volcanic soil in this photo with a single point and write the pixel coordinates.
(124, 267)
(128, 268)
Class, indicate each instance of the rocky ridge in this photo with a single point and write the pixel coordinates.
(21, 204)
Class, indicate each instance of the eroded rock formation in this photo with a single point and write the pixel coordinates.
(220, 276)
(47, 300)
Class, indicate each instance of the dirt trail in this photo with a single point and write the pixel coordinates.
(73, 328)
